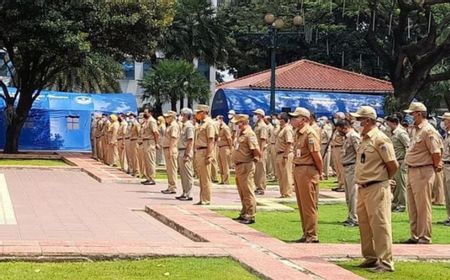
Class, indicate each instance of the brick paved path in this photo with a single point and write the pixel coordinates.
(67, 213)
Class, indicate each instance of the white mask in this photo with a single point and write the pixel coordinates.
(230, 117)
(357, 124)
(442, 126)
(255, 119)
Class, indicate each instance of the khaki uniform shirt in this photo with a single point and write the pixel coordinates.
(187, 132)
(133, 130)
(262, 131)
(113, 130)
(317, 129)
(204, 132)
(424, 143)
(351, 144)
(285, 136)
(245, 144)
(148, 129)
(306, 142)
(374, 152)
(172, 132)
(446, 153)
(338, 140)
(224, 135)
(274, 135)
(99, 129)
(400, 140)
(105, 128)
(325, 134)
(122, 130)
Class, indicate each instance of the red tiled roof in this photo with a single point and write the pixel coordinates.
(309, 75)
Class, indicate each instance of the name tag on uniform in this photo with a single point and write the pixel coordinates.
(236, 146)
(298, 153)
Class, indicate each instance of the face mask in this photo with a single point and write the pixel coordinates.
(336, 120)
(342, 133)
(230, 117)
(180, 118)
(255, 119)
(442, 126)
(275, 122)
(357, 124)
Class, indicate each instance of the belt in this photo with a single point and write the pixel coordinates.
(223, 146)
(279, 153)
(300, 164)
(239, 163)
(119, 139)
(348, 164)
(446, 162)
(127, 138)
(148, 139)
(368, 184)
(133, 139)
(400, 159)
(201, 148)
(336, 146)
(409, 166)
(165, 147)
(181, 149)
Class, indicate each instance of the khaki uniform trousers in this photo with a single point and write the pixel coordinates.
(447, 188)
(307, 191)
(326, 160)
(260, 172)
(418, 190)
(204, 175)
(149, 158)
(273, 158)
(269, 162)
(113, 154)
(99, 148)
(122, 155)
(106, 151)
(186, 173)
(93, 148)
(224, 163)
(244, 181)
(214, 165)
(399, 195)
(438, 196)
(171, 168)
(132, 158)
(351, 192)
(336, 154)
(284, 174)
(374, 213)
(141, 160)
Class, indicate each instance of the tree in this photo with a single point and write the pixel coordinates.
(99, 74)
(44, 38)
(172, 81)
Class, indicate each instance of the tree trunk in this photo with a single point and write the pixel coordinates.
(12, 136)
(190, 102)
(181, 102)
(173, 102)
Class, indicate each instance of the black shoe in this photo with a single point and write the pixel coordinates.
(247, 222)
(410, 241)
(259, 192)
(350, 224)
(380, 269)
(301, 240)
(168, 192)
(398, 209)
(149, 182)
(447, 224)
(312, 241)
(368, 264)
(443, 222)
(185, 198)
(424, 241)
(180, 197)
(238, 218)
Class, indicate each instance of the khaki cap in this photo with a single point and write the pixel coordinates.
(445, 116)
(416, 107)
(113, 117)
(260, 112)
(365, 112)
(300, 111)
(239, 118)
(170, 114)
(131, 114)
(202, 108)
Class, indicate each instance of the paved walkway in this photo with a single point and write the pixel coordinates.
(67, 213)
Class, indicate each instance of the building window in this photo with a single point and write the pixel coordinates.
(73, 122)
(129, 69)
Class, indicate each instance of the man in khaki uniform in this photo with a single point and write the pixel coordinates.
(283, 147)
(375, 166)
(348, 159)
(336, 146)
(113, 151)
(170, 148)
(446, 161)
(104, 139)
(437, 194)
(273, 140)
(131, 144)
(94, 119)
(423, 159)
(121, 139)
(215, 155)
(98, 138)
(225, 144)
(307, 172)
(269, 165)
(325, 137)
(400, 140)
(186, 154)
(245, 153)
(262, 135)
(204, 148)
(150, 137)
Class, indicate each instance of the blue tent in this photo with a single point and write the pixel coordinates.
(62, 120)
(245, 101)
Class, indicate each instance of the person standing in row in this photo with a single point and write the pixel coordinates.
(262, 136)
(94, 119)
(161, 122)
(105, 144)
(98, 138)
(269, 166)
(273, 140)
(446, 160)
(325, 138)
(170, 148)
(185, 154)
(150, 138)
(307, 173)
(131, 144)
(423, 160)
(121, 139)
(375, 166)
(400, 140)
(225, 144)
(245, 153)
(336, 146)
(113, 150)
(204, 147)
(348, 159)
(283, 147)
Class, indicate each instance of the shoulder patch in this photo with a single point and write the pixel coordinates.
(383, 147)
(311, 141)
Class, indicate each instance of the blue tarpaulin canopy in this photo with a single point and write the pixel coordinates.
(62, 120)
(245, 101)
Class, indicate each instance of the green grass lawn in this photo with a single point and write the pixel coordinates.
(33, 162)
(165, 268)
(286, 226)
(404, 270)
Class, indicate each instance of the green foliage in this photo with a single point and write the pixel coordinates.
(174, 80)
